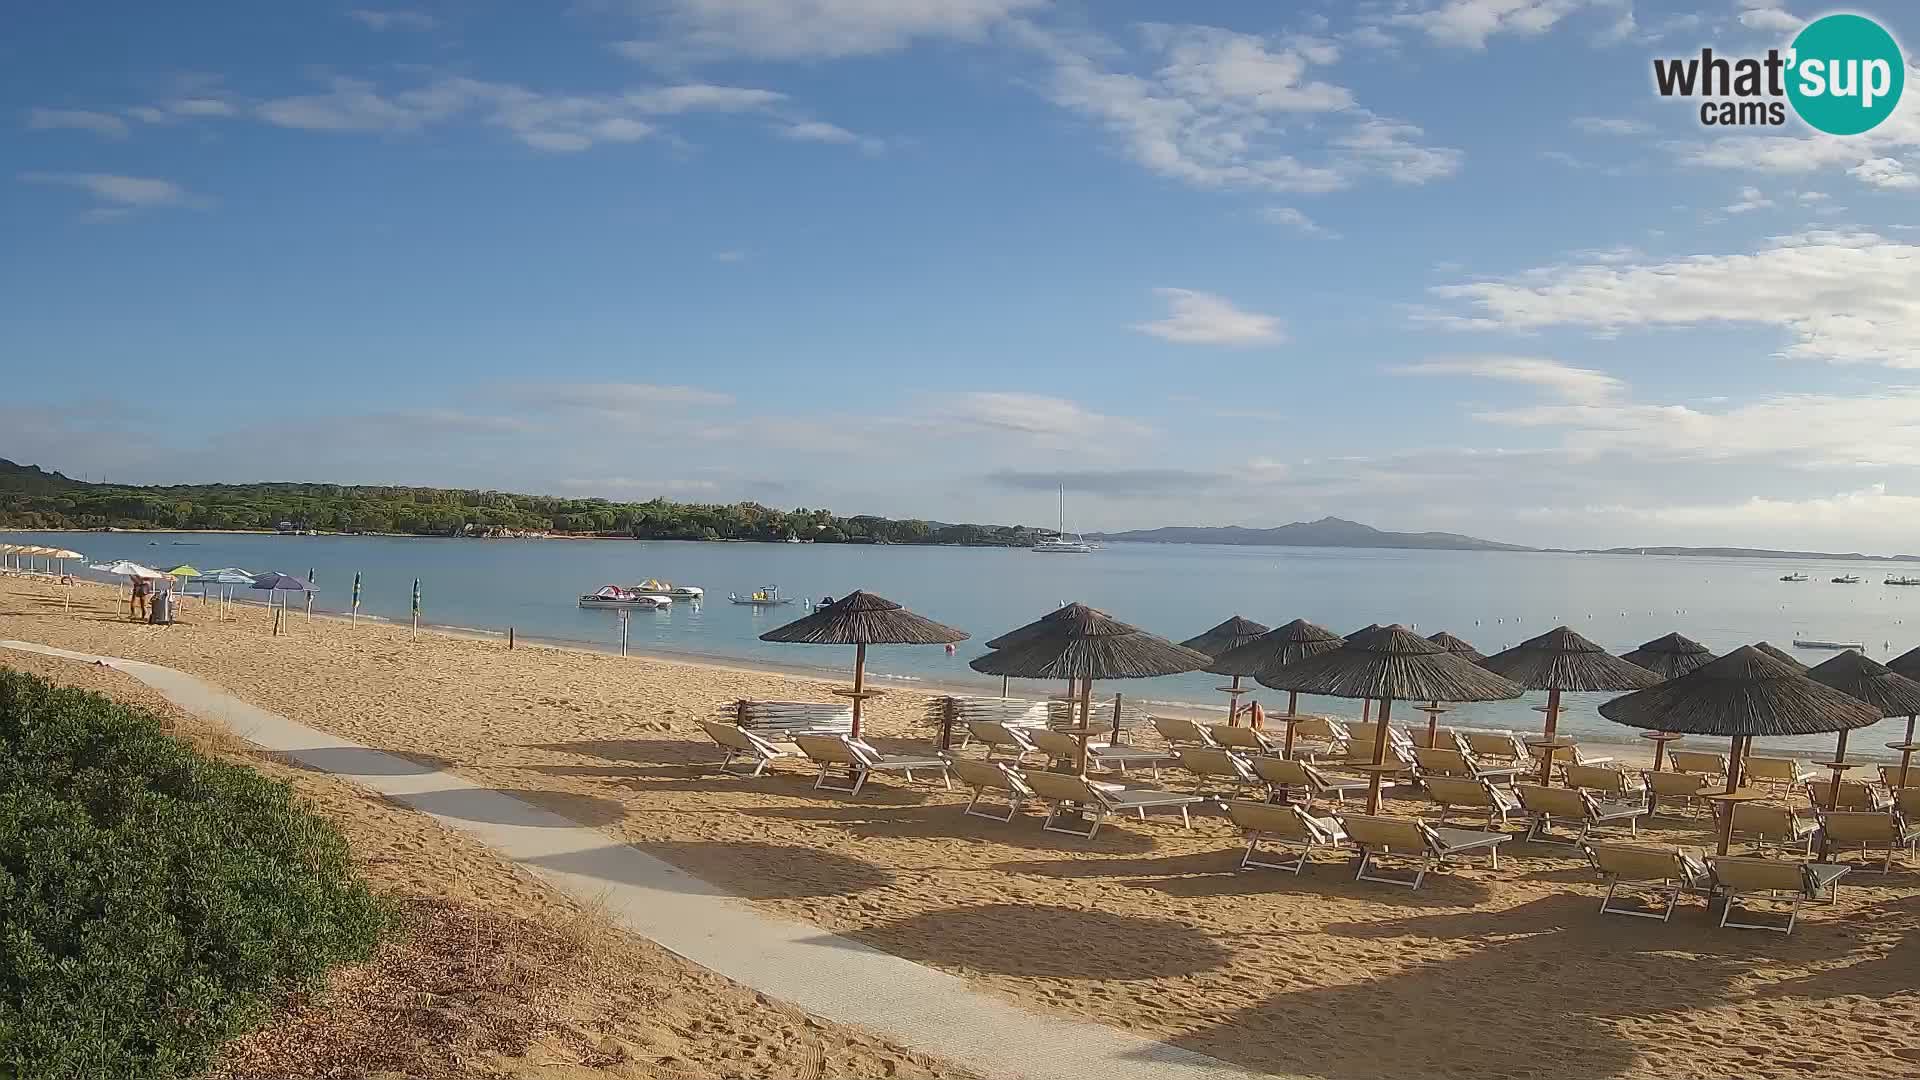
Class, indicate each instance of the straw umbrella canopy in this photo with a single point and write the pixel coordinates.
(1671, 656)
(1388, 664)
(1744, 695)
(1781, 655)
(1561, 660)
(1276, 649)
(1081, 644)
(1458, 646)
(1876, 684)
(1221, 640)
(1907, 663)
(860, 619)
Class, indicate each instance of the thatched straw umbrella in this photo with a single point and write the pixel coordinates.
(1859, 677)
(861, 619)
(1276, 649)
(1388, 664)
(1781, 655)
(1561, 660)
(1080, 644)
(1744, 695)
(1668, 657)
(1908, 664)
(1220, 641)
(1461, 648)
(1366, 704)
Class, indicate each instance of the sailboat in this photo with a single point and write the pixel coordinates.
(1059, 542)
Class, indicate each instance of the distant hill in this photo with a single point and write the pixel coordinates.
(1327, 532)
(1749, 553)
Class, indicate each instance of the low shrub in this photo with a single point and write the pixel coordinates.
(152, 901)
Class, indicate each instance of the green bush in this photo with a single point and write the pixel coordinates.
(152, 901)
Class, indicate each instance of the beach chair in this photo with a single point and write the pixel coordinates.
(1576, 754)
(1747, 882)
(1865, 830)
(1212, 764)
(1544, 804)
(1406, 838)
(1471, 793)
(1288, 828)
(1890, 776)
(1501, 750)
(1684, 786)
(991, 776)
(859, 761)
(1248, 740)
(1854, 795)
(738, 742)
(1907, 801)
(1663, 872)
(1062, 750)
(780, 721)
(997, 736)
(1180, 732)
(1443, 738)
(1360, 750)
(1461, 763)
(1321, 736)
(1065, 794)
(1782, 773)
(1611, 783)
(1301, 781)
(1767, 824)
(1698, 763)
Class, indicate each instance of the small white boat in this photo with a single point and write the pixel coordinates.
(1847, 579)
(687, 592)
(1793, 577)
(613, 596)
(1837, 646)
(657, 587)
(765, 596)
(1058, 543)
(1902, 579)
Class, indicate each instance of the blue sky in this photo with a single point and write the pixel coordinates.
(1424, 263)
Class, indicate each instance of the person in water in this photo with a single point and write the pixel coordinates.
(137, 603)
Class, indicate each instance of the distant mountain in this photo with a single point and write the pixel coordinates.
(1749, 553)
(1327, 532)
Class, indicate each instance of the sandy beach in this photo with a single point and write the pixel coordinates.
(1506, 973)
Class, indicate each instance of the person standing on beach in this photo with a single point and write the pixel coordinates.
(137, 603)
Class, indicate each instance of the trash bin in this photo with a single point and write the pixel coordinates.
(160, 609)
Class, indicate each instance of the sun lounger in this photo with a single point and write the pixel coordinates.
(956, 714)
(1472, 794)
(782, 720)
(1288, 828)
(1890, 776)
(1501, 749)
(1576, 755)
(1770, 824)
(1685, 787)
(1854, 795)
(1460, 763)
(1745, 882)
(738, 742)
(1000, 737)
(1063, 749)
(1778, 772)
(1443, 738)
(1698, 762)
(1247, 740)
(1300, 781)
(1213, 764)
(1569, 805)
(1664, 872)
(1409, 839)
(858, 762)
(1864, 830)
(1611, 783)
(991, 776)
(1067, 794)
(1321, 736)
(1179, 732)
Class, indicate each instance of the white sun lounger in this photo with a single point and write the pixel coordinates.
(1472, 794)
(1246, 739)
(1287, 827)
(1664, 872)
(1213, 764)
(1770, 824)
(1062, 750)
(1180, 732)
(1069, 794)
(997, 735)
(1746, 882)
(1300, 781)
(1409, 839)
(1544, 804)
(991, 776)
(858, 762)
(738, 742)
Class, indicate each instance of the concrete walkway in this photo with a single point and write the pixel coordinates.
(826, 975)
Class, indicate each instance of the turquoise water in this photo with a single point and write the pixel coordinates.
(1493, 599)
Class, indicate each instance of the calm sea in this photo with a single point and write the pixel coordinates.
(1493, 599)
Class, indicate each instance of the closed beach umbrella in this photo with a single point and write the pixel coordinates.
(1744, 695)
(356, 597)
(1390, 664)
(1080, 644)
(1861, 677)
(1222, 639)
(1561, 660)
(1781, 655)
(1275, 649)
(861, 619)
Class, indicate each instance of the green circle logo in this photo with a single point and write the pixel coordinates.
(1846, 74)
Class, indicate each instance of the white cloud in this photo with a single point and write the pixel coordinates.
(822, 132)
(150, 114)
(616, 397)
(103, 124)
(732, 255)
(1771, 18)
(797, 29)
(393, 20)
(1611, 125)
(1225, 109)
(128, 191)
(201, 107)
(1048, 420)
(1885, 172)
(1198, 318)
(1563, 381)
(1748, 199)
(1873, 157)
(1841, 297)
(702, 97)
(1295, 219)
(1469, 23)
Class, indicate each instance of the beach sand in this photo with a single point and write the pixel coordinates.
(1482, 973)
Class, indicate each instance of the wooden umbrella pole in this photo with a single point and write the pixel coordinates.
(1659, 752)
(1086, 721)
(1366, 710)
(1733, 785)
(859, 683)
(1906, 756)
(1116, 719)
(1433, 723)
(1833, 792)
(1553, 724)
(1379, 757)
(1233, 701)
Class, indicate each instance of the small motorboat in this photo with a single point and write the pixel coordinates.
(1847, 579)
(1901, 579)
(1837, 646)
(613, 596)
(665, 588)
(1793, 577)
(764, 596)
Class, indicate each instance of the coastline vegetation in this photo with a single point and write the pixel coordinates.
(31, 498)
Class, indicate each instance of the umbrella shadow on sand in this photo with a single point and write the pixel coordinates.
(1204, 874)
(1046, 941)
(1538, 993)
(943, 822)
